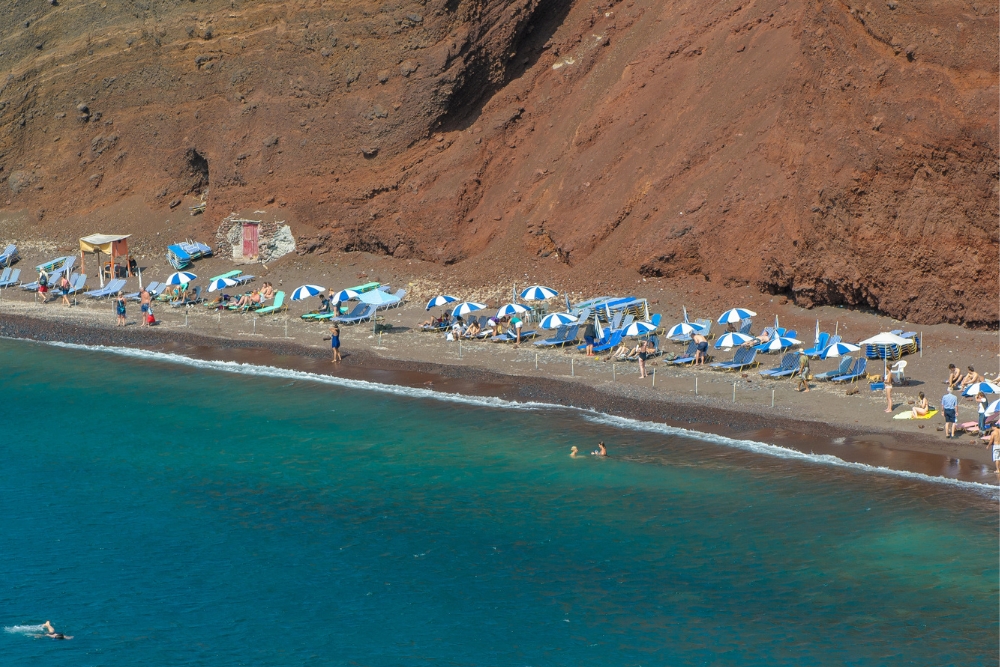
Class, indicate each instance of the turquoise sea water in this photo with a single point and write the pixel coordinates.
(170, 515)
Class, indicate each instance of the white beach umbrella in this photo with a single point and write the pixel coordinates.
(993, 407)
(466, 307)
(307, 291)
(985, 387)
(838, 350)
(441, 300)
(682, 329)
(780, 343)
(735, 315)
(885, 339)
(556, 320)
(181, 278)
(378, 298)
(638, 329)
(732, 339)
(538, 293)
(221, 283)
(512, 309)
(345, 295)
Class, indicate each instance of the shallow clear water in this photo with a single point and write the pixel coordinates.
(167, 515)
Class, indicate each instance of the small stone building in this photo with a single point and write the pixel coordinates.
(255, 240)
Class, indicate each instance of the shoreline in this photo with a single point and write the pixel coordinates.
(862, 445)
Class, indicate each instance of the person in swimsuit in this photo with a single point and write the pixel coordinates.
(267, 291)
(590, 337)
(700, 350)
(887, 379)
(51, 632)
(994, 444)
(120, 309)
(335, 343)
(145, 300)
(921, 408)
(954, 376)
(600, 451)
(573, 452)
(643, 355)
(64, 289)
(972, 377)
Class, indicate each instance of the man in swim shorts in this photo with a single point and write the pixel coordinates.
(949, 405)
(700, 350)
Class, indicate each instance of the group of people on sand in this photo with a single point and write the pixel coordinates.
(600, 451)
(61, 288)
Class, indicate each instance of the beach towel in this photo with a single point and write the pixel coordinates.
(909, 415)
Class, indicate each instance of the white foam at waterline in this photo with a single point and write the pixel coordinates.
(493, 402)
(24, 629)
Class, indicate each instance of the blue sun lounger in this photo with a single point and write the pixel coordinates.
(113, 287)
(12, 278)
(744, 357)
(9, 255)
(841, 369)
(614, 341)
(77, 283)
(688, 356)
(851, 376)
(821, 344)
(366, 314)
(561, 337)
(789, 364)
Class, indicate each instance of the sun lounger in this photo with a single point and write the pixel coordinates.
(744, 357)
(856, 372)
(243, 279)
(688, 355)
(9, 255)
(356, 312)
(401, 295)
(154, 288)
(842, 369)
(655, 320)
(196, 298)
(178, 257)
(563, 336)
(821, 344)
(112, 287)
(5, 275)
(510, 336)
(789, 364)
(77, 283)
(278, 305)
(12, 279)
(367, 313)
(614, 341)
(228, 274)
(745, 325)
(627, 320)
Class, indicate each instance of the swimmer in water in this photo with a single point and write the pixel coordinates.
(572, 452)
(51, 632)
(600, 451)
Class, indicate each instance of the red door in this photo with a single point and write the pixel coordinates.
(249, 239)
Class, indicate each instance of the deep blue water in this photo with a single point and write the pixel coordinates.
(169, 515)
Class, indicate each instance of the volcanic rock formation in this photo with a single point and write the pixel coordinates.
(836, 153)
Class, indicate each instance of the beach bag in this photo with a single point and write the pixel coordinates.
(149, 318)
(450, 337)
(43, 281)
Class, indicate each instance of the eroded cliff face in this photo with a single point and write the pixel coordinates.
(835, 153)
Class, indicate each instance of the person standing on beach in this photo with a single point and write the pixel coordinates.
(64, 289)
(643, 354)
(803, 372)
(145, 301)
(994, 444)
(43, 285)
(120, 309)
(700, 350)
(590, 337)
(949, 405)
(981, 403)
(335, 343)
(887, 380)
(517, 324)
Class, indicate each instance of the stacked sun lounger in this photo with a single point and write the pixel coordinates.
(180, 255)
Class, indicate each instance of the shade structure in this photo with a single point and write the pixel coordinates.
(378, 298)
(511, 309)
(639, 329)
(307, 291)
(113, 245)
(221, 283)
(682, 329)
(345, 295)
(440, 300)
(732, 339)
(838, 350)
(886, 338)
(735, 315)
(466, 307)
(181, 278)
(993, 407)
(556, 320)
(780, 343)
(985, 387)
(538, 293)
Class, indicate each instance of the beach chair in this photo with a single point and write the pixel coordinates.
(154, 288)
(196, 298)
(11, 279)
(688, 355)
(228, 274)
(356, 312)
(277, 306)
(821, 344)
(858, 371)
(243, 279)
(584, 315)
(655, 320)
(5, 275)
(9, 255)
(743, 358)
(561, 337)
(367, 311)
(617, 320)
(614, 341)
(789, 364)
(77, 283)
(627, 320)
(745, 326)
(842, 369)
(401, 295)
(898, 374)
(112, 287)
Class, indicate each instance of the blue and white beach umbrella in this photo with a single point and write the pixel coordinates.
(344, 295)
(512, 309)
(466, 307)
(307, 291)
(732, 339)
(181, 278)
(780, 343)
(682, 329)
(441, 300)
(538, 293)
(985, 387)
(221, 283)
(838, 350)
(378, 298)
(639, 329)
(993, 407)
(556, 320)
(735, 315)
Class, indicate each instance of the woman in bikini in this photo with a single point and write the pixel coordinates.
(921, 408)
(643, 354)
(887, 379)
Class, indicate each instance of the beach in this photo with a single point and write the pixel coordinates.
(825, 420)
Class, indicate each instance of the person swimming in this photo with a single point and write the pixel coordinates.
(573, 452)
(51, 632)
(601, 450)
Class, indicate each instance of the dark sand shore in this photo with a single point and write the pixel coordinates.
(962, 460)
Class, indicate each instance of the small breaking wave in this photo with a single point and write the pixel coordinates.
(24, 629)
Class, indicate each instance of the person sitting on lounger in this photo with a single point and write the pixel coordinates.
(457, 326)
(972, 377)
(954, 376)
(324, 305)
(619, 353)
(473, 329)
(267, 292)
(243, 302)
(921, 408)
